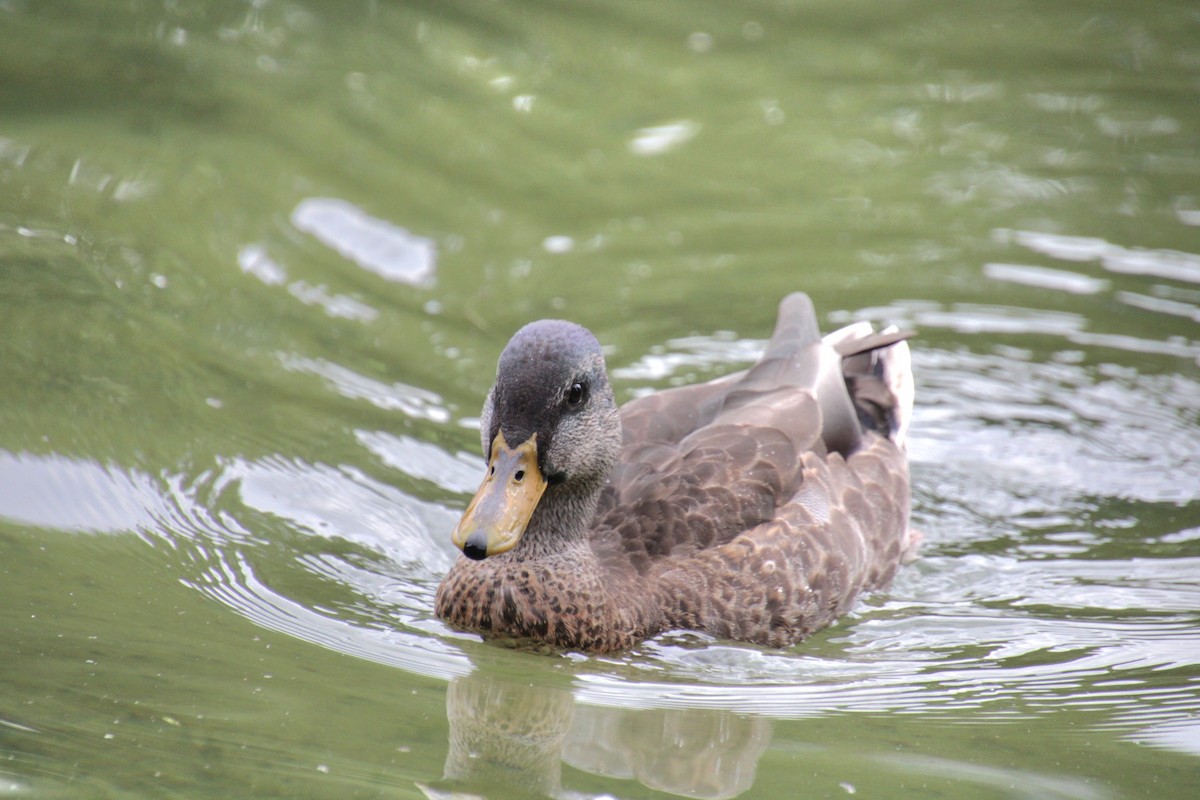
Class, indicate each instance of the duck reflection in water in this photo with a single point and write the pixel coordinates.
(519, 736)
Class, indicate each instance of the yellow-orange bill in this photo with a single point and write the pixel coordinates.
(497, 515)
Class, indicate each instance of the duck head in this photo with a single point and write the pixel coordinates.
(551, 433)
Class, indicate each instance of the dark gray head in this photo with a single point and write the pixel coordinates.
(551, 434)
(551, 381)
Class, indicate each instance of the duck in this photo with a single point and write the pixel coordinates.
(755, 507)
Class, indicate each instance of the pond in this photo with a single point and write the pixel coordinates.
(257, 262)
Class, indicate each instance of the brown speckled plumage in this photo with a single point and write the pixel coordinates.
(754, 507)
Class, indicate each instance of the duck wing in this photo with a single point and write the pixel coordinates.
(707, 465)
(703, 464)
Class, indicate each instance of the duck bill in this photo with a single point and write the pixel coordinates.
(497, 516)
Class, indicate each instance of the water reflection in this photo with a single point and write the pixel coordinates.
(413, 401)
(1045, 278)
(253, 260)
(1011, 782)
(1173, 264)
(53, 491)
(520, 735)
(1160, 331)
(659, 139)
(513, 738)
(376, 245)
(977, 318)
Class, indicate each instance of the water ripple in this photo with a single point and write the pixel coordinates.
(1014, 611)
(234, 583)
(1057, 431)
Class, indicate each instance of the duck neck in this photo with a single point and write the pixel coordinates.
(559, 526)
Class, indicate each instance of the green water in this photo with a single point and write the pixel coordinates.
(257, 261)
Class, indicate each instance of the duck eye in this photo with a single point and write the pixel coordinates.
(577, 394)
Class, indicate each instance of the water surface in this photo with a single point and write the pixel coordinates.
(258, 260)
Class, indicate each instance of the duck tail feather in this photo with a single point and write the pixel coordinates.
(795, 326)
(878, 370)
(887, 337)
(895, 367)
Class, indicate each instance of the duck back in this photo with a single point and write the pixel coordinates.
(760, 505)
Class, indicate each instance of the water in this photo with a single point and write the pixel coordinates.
(258, 261)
